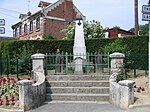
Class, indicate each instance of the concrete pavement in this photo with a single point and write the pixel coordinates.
(86, 107)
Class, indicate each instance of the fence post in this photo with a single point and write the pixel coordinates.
(17, 68)
(1, 67)
(108, 62)
(46, 72)
(88, 63)
(7, 68)
(134, 69)
(102, 64)
(30, 67)
(66, 63)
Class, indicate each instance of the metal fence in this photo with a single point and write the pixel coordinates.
(65, 63)
(15, 67)
(136, 64)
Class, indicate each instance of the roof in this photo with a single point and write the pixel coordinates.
(119, 30)
(17, 24)
(22, 15)
(36, 13)
(45, 4)
(51, 6)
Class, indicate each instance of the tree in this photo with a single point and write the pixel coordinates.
(92, 29)
(143, 29)
(116, 27)
(48, 37)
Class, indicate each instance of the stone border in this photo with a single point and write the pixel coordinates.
(121, 93)
(33, 95)
(11, 110)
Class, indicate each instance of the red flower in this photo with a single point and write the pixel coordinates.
(4, 80)
(7, 102)
(13, 103)
(8, 80)
(12, 98)
(1, 102)
(6, 97)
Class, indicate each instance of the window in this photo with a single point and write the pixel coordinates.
(38, 23)
(25, 28)
(31, 25)
(20, 30)
(16, 31)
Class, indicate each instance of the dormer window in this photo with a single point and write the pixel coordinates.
(38, 23)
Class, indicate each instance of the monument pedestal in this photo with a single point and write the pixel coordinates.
(78, 65)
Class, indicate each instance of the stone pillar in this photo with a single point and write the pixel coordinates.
(116, 64)
(25, 94)
(79, 48)
(37, 64)
(126, 93)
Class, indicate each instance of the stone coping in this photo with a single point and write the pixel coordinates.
(126, 83)
(11, 110)
(38, 56)
(117, 55)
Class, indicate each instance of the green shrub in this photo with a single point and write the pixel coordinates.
(134, 48)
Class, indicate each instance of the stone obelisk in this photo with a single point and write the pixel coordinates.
(79, 49)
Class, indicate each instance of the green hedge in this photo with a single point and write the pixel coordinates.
(134, 47)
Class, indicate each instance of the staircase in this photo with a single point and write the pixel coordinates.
(77, 88)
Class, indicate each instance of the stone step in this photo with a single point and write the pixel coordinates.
(77, 84)
(76, 77)
(77, 97)
(78, 102)
(93, 90)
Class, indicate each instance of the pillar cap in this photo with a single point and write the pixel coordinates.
(126, 83)
(24, 82)
(38, 56)
(117, 55)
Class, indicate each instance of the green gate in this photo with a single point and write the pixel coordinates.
(64, 63)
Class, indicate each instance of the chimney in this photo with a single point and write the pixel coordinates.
(29, 13)
(136, 18)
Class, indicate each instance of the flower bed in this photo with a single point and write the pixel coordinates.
(9, 93)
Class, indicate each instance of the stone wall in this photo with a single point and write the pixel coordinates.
(121, 93)
(32, 95)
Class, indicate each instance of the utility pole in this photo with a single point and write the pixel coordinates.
(136, 18)
(149, 2)
(149, 55)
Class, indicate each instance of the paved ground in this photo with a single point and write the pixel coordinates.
(64, 107)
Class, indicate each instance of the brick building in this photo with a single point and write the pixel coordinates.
(51, 19)
(2, 38)
(116, 32)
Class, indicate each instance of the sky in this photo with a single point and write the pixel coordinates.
(109, 13)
